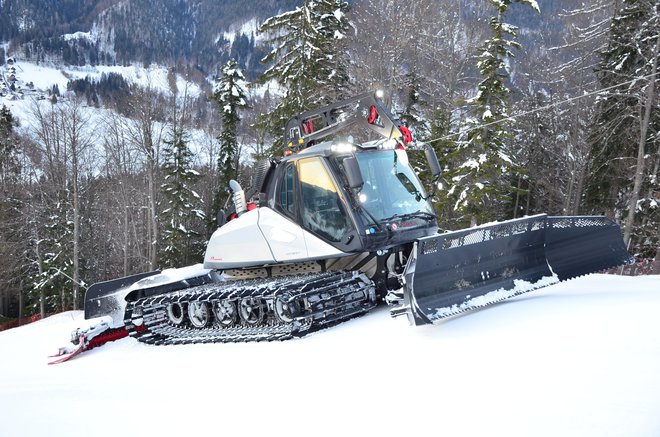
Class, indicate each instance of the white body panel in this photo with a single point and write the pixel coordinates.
(238, 243)
(285, 237)
(263, 237)
(319, 249)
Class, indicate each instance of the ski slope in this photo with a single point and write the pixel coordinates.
(580, 358)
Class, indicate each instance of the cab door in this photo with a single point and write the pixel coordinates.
(281, 230)
(323, 209)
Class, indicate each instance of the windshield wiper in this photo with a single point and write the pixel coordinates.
(416, 214)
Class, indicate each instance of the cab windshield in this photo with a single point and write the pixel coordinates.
(391, 189)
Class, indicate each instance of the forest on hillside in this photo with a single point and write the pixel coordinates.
(191, 34)
(531, 108)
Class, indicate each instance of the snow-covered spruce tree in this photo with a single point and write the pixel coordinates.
(14, 262)
(625, 142)
(231, 99)
(8, 160)
(430, 129)
(51, 284)
(334, 27)
(182, 243)
(412, 113)
(306, 59)
(481, 185)
(438, 136)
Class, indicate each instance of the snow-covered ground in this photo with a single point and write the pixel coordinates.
(45, 75)
(580, 358)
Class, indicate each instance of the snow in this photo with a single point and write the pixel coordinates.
(520, 287)
(619, 66)
(461, 199)
(249, 29)
(168, 276)
(44, 76)
(578, 358)
(80, 35)
(573, 359)
(534, 5)
(509, 28)
(470, 163)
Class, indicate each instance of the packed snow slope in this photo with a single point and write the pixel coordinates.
(580, 358)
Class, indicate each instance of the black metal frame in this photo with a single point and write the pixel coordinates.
(338, 116)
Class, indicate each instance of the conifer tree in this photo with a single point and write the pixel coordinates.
(437, 136)
(231, 99)
(333, 26)
(8, 161)
(11, 203)
(412, 115)
(627, 124)
(481, 184)
(306, 58)
(182, 242)
(51, 283)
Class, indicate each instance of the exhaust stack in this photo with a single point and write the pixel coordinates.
(238, 197)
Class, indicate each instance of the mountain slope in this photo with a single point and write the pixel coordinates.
(187, 32)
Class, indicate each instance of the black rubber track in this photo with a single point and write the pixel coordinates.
(314, 301)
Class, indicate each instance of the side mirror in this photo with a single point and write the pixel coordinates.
(353, 173)
(432, 159)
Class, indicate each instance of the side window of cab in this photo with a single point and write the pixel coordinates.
(323, 211)
(287, 192)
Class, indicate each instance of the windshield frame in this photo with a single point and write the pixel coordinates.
(391, 191)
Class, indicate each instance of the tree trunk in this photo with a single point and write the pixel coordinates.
(42, 296)
(645, 117)
(76, 222)
(145, 135)
(575, 210)
(125, 240)
(153, 248)
(20, 302)
(517, 202)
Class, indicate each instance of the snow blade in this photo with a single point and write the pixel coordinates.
(101, 298)
(459, 271)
